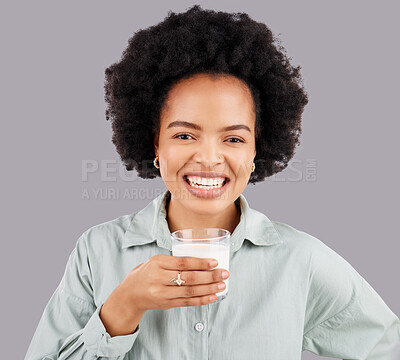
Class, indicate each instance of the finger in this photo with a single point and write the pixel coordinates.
(195, 277)
(195, 301)
(185, 262)
(194, 290)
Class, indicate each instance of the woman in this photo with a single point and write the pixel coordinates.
(207, 95)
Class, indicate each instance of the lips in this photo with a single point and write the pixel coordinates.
(211, 193)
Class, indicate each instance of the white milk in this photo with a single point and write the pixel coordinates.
(211, 251)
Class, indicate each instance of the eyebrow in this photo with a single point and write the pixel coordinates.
(198, 127)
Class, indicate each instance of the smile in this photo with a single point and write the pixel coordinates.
(205, 183)
(207, 188)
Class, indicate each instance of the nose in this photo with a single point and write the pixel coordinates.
(208, 153)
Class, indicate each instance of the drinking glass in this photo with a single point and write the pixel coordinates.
(210, 243)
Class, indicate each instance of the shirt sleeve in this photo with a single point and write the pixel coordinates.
(70, 327)
(345, 317)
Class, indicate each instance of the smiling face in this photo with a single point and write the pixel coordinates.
(207, 126)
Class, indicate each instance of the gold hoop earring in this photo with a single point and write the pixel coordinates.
(155, 162)
(253, 167)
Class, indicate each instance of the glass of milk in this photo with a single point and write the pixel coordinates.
(212, 243)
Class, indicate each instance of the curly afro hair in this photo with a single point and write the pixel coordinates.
(204, 41)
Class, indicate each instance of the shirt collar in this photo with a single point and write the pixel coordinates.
(150, 224)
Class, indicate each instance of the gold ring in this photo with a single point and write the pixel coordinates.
(178, 280)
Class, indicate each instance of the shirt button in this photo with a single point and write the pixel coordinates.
(199, 326)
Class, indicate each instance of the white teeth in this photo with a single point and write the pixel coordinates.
(205, 183)
(195, 180)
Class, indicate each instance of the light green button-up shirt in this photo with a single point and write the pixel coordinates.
(288, 292)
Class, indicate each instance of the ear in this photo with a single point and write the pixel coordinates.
(255, 152)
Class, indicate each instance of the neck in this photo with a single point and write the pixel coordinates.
(178, 217)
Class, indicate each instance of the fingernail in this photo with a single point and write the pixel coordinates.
(213, 263)
(221, 286)
(225, 274)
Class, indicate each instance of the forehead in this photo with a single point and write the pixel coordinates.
(211, 97)
(202, 82)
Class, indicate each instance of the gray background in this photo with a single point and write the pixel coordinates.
(52, 73)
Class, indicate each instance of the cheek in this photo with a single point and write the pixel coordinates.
(240, 163)
(174, 158)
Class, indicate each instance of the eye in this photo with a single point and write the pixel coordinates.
(179, 136)
(239, 140)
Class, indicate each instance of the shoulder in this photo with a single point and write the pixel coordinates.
(105, 236)
(323, 263)
(299, 241)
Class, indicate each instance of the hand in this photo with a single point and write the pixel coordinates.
(148, 285)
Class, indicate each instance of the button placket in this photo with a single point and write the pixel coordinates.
(198, 333)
